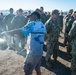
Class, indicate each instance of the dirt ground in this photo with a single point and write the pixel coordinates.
(11, 63)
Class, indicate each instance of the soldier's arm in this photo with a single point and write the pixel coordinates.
(47, 25)
(72, 32)
(67, 19)
(69, 25)
(45, 18)
(13, 23)
(5, 19)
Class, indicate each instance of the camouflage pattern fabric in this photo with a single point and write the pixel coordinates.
(53, 30)
(7, 21)
(65, 34)
(73, 61)
(7, 24)
(61, 22)
(48, 16)
(18, 22)
(43, 18)
(72, 35)
(2, 27)
(68, 27)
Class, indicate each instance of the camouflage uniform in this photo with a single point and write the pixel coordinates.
(53, 30)
(18, 22)
(68, 27)
(48, 16)
(72, 35)
(43, 18)
(61, 22)
(7, 23)
(65, 34)
(2, 27)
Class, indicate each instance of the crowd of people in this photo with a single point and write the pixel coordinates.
(69, 38)
(33, 27)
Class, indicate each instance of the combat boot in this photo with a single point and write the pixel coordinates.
(49, 64)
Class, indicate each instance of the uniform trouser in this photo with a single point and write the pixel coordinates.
(65, 38)
(73, 61)
(18, 40)
(69, 48)
(73, 73)
(9, 40)
(61, 28)
(52, 48)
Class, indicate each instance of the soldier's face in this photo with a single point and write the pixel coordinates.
(74, 15)
(20, 13)
(33, 17)
(55, 16)
(41, 9)
(11, 11)
(69, 14)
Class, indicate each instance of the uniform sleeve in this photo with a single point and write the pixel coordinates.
(13, 23)
(67, 19)
(5, 20)
(72, 32)
(27, 29)
(47, 25)
(69, 25)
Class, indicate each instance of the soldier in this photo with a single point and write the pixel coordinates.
(61, 20)
(53, 30)
(2, 27)
(72, 36)
(8, 18)
(68, 27)
(7, 23)
(48, 15)
(18, 21)
(69, 16)
(43, 16)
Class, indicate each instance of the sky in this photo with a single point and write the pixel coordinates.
(48, 5)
